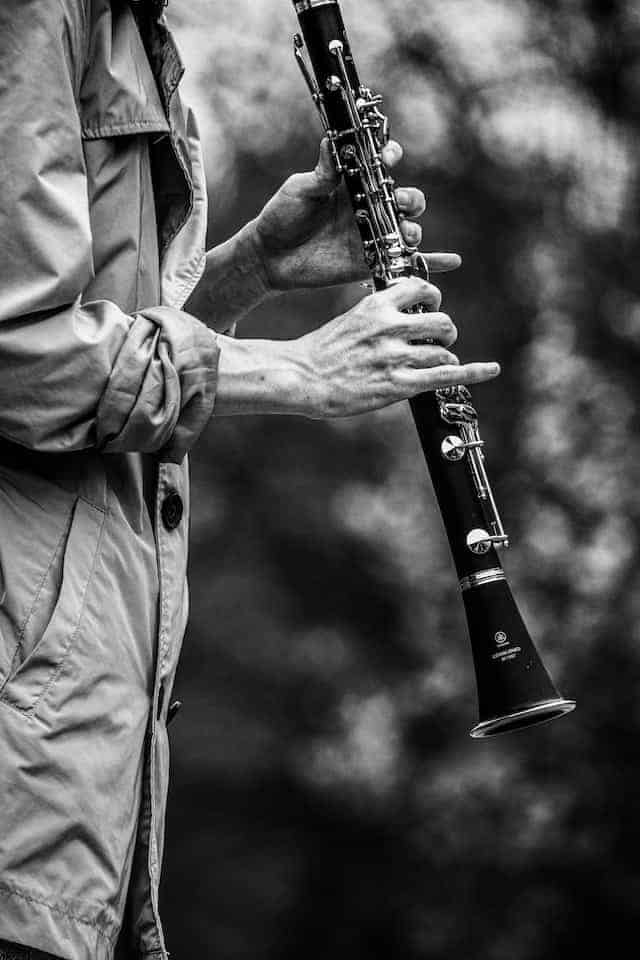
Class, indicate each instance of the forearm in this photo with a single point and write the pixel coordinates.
(233, 283)
(264, 376)
(378, 352)
(92, 376)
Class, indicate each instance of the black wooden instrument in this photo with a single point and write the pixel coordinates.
(514, 688)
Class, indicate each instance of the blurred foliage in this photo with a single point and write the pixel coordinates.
(326, 800)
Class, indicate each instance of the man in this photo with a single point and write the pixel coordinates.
(105, 384)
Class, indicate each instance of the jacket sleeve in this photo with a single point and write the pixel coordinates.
(72, 374)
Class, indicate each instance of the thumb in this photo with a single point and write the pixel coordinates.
(325, 176)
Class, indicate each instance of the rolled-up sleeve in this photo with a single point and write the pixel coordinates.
(73, 374)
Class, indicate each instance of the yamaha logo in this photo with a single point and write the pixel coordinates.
(501, 638)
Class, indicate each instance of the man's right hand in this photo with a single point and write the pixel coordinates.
(371, 356)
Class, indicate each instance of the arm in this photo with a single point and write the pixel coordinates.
(365, 359)
(80, 375)
(76, 375)
(233, 282)
(304, 237)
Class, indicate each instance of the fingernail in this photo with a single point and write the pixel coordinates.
(452, 358)
(412, 232)
(402, 196)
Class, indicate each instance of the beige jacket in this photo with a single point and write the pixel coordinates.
(104, 385)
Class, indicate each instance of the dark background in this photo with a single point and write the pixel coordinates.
(326, 799)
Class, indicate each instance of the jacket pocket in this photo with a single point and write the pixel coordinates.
(35, 516)
(29, 679)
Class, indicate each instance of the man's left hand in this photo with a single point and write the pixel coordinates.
(306, 235)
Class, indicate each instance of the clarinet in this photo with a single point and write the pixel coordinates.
(514, 688)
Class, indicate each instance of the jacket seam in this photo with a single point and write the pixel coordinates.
(26, 714)
(96, 506)
(185, 287)
(30, 898)
(165, 640)
(140, 154)
(118, 129)
(196, 271)
(87, 12)
(25, 623)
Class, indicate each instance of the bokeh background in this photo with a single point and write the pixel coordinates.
(326, 799)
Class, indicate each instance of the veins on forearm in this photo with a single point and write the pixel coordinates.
(233, 283)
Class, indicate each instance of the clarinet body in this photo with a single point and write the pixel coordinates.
(514, 688)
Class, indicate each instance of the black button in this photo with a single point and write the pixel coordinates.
(172, 510)
(172, 711)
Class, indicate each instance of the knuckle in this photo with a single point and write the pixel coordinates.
(445, 358)
(377, 300)
(435, 294)
(392, 355)
(448, 328)
(386, 319)
(395, 376)
(421, 286)
(376, 342)
(372, 308)
(443, 374)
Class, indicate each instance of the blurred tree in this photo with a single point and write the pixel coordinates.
(326, 800)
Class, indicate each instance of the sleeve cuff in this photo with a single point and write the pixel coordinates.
(164, 410)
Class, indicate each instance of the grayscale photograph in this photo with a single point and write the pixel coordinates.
(319, 473)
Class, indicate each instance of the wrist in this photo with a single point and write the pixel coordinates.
(234, 282)
(250, 253)
(265, 376)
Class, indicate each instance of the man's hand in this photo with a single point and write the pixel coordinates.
(375, 354)
(306, 235)
(371, 356)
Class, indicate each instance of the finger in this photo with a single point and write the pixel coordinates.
(438, 327)
(470, 372)
(408, 291)
(442, 262)
(421, 356)
(325, 177)
(450, 375)
(411, 201)
(412, 232)
(392, 153)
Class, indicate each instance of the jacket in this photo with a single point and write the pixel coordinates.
(105, 384)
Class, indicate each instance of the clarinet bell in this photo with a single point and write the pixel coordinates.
(514, 688)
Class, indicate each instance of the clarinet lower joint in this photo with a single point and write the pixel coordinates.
(457, 410)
